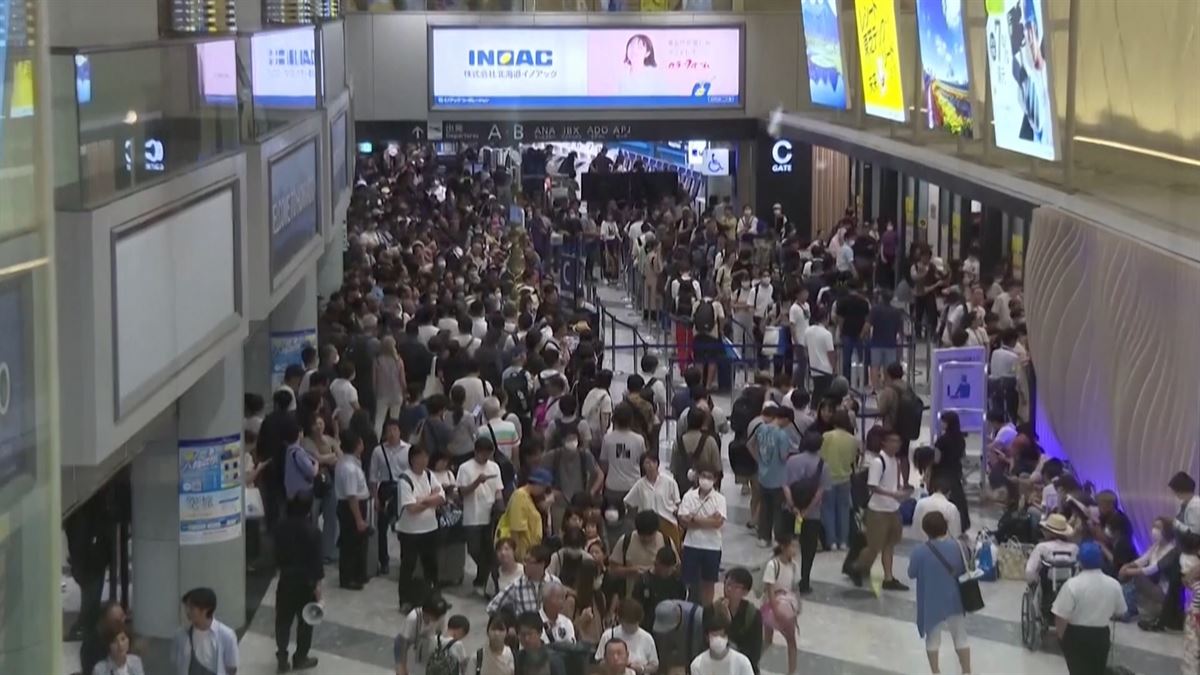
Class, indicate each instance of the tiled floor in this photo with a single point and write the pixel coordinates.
(843, 630)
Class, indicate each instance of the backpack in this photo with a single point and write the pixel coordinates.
(687, 297)
(516, 388)
(746, 407)
(804, 491)
(706, 317)
(442, 662)
(910, 410)
(541, 414)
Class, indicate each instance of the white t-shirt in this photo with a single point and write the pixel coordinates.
(344, 397)
(620, 452)
(783, 575)
(1004, 363)
(477, 506)
(1005, 435)
(884, 472)
(936, 502)
(561, 629)
(608, 230)
(661, 496)
(411, 488)
(733, 663)
(642, 651)
(819, 342)
(1090, 599)
(349, 479)
(384, 457)
(597, 403)
(693, 504)
(798, 317)
(476, 390)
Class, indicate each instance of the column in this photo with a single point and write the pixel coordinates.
(293, 325)
(187, 507)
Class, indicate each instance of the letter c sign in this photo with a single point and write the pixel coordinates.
(781, 156)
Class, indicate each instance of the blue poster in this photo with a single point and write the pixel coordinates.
(293, 213)
(823, 47)
(946, 78)
(210, 490)
(337, 148)
(959, 383)
(286, 348)
(18, 415)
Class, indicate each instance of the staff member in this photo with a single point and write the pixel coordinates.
(350, 488)
(1083, 610)
(298, 550)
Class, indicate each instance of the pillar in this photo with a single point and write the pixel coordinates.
(187, 507)
(331, 265)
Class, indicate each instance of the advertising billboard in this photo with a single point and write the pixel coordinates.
(1019, 75)
(339, 169)
(823, 47)
(293, 189)
(18, 392)
(879, 52)
(945, 71)
(284, 68)
(585, 68)
(217, 63)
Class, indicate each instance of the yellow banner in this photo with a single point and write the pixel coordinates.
(879, 49)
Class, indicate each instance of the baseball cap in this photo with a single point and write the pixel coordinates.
(667, 617)
(541, 476)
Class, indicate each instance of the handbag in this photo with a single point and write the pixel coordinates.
(1011, 557)
(968, 583)
(432, 384)
(253, 505)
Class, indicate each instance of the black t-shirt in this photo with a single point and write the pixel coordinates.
(953, 449)
(853, 309)
(1120, 531)
(887, 323)
(864, 247)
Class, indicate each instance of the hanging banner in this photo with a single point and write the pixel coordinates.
(286, 348)
(960, 384)
(879, 49)
(210, 490)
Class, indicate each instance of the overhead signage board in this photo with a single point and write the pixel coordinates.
(582, 68)
(823, 53)
(1019, 75)
(783, 175)
(293, 215)
(879, 56)
(517, 132)
(284, 68)
(945, 67)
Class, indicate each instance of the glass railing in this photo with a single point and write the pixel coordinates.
(128, 117)
(570, 5)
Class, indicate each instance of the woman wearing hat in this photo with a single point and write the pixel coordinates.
(1056, 546)
(1083, 610)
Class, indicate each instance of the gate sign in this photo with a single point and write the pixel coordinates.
(959, 382)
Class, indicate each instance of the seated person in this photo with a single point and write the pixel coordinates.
(1056, 550)
(1142, 580)
(1114, 532)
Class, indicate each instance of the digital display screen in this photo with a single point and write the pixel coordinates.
(21, 102)
(879, 52)
(217, 65)
(585, 68)
(366, 147)
(83, 79)
(1019, 75)
(823, 52)
(284, 68)
(945, 73)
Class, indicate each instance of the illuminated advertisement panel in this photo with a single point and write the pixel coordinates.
(585, 68)
(1019, 75)
(879, 49)
(823, 52)
(945, 72)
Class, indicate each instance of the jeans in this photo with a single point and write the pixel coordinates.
(769, 510)
(325, 512)
(481, 548)
(849, 346)
(835, 514)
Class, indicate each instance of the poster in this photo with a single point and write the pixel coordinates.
(286, 348)
(879, 49)
(293, 189)
(1019, 75)
(555, 68)
(210, 490)
(823, 52)
(945, 72)
(960, 384)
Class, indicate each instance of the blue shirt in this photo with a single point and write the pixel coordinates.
(222, 647)
(937, 589)
(774, 446)
(299, 470)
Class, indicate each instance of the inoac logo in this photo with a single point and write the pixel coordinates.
(510, 57)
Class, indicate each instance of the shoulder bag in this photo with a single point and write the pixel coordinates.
(968, 583)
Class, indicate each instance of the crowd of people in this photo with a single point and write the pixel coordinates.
(459, 404)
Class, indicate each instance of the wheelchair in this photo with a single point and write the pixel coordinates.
(1036, 617)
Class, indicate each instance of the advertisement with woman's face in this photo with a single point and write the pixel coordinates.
(702, 63)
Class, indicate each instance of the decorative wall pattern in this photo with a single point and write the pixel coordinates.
(1113, 327)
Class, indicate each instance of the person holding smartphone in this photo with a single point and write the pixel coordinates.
(482, 490)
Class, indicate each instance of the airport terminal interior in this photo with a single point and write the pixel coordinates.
(599, 337)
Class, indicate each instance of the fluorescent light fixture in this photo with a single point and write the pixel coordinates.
(1157, 154)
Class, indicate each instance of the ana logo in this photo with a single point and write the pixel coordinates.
(781, 155)
(510, 57)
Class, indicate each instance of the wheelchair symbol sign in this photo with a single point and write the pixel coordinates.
(959, 391)
(961, 386)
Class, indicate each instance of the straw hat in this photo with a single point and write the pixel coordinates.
(1057, 524)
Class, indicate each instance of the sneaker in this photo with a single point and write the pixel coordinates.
(281, 664)
(856, 578)
(763, 543)
(894, 585)
(304, 663)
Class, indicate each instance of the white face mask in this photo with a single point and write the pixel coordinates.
(718, 644)
(1156, 535)
(571, 445)
(706, 484)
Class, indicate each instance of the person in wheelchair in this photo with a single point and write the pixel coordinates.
(1052, 561)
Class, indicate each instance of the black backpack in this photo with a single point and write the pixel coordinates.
(516, 388)
(746, 407)
(706, 317)
(687, 297)
(804, 491)
(910, 410)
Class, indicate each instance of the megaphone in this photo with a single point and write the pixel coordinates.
(313, 613)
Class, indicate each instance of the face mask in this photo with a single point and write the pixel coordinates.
(571, 445)
(510, 326)
(706, 484)
(745, 285)
(718, 644)
(1156, 535)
